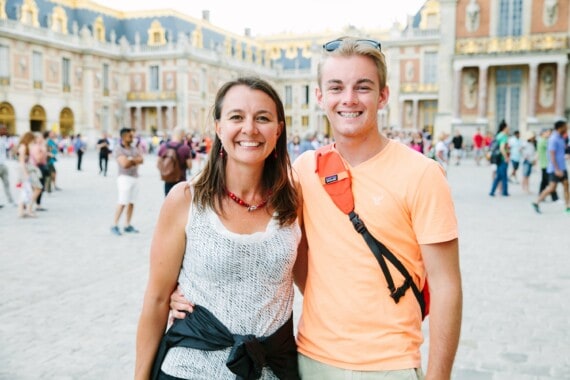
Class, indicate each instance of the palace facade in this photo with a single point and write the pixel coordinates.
(78, 67)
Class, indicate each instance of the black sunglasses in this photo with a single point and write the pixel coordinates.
(335, 44)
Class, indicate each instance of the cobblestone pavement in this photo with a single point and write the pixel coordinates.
(71, 293)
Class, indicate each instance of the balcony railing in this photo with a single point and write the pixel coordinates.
(490, 45)
(151, 96)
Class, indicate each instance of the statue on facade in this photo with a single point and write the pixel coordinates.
(124, 44)
(550, 12)
(546, 97)
(472, 16)
(470, 88)
(85, 33)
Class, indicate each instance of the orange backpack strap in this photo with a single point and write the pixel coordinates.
(335, 177)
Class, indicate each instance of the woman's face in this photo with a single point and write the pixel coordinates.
(248, 126)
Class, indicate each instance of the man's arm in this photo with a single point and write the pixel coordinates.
(442, 266)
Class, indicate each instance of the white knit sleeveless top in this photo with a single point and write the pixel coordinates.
(246, 281)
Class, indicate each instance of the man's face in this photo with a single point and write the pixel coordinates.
(127, 138)
(350, 95)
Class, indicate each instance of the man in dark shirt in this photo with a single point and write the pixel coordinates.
(457, 145)
(104, 147)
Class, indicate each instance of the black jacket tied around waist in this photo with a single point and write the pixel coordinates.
(249, 354)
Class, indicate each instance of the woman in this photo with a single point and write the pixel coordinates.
(39, 155)
(529, 157)
(30, 174)
(229, 238)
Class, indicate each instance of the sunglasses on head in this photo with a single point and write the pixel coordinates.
(335, 44)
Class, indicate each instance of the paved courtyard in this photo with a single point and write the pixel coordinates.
(71, 293)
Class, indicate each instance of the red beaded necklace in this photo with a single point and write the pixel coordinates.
(241, 202)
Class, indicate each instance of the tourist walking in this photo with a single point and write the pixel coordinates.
(556, 169)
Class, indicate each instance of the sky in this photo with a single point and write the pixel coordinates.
(265, 17)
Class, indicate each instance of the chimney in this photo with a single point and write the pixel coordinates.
(206, 15)
(247, 32)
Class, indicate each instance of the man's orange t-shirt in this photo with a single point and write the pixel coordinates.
(349, 319)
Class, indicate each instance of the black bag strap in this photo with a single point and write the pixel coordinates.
(380, 251)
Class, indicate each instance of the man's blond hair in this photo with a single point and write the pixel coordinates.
(351, 46)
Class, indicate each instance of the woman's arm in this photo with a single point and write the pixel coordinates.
(166, 254)
(22, 160)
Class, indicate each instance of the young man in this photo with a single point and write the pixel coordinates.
(349, 321)
(478, 145)
(79, 147)
(556, 169)
(129, 158)
(350, 326)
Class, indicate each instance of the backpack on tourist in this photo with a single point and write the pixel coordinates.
(495, 152)
(168, 164)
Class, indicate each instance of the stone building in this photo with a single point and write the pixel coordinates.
(78, 67)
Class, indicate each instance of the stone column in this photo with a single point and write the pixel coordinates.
(159, 118)
(402, 113)
(127, 120)
(483, 70)
(560, 90)
(456, 92)
(415, 113)
(138, 119)
(532, 91)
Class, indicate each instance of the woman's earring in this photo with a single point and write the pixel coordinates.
(275, 152)
(222, 154)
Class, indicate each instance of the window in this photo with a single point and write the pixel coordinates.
(65, 69)
(306, 95)
(154, 86)
(37, 69)
(105, 79)
(430, 67)
(288, 95)
(508, 84)
(4, 63)
(510, 18)
(305, 121)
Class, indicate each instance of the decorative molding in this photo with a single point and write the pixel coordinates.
(99, 29)
(470, 88)
(547, 84)
(151, 96)
(156, 34)
(3, 15)
(59, 20)
(537, 42)
(29, 13)
(424, 88)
